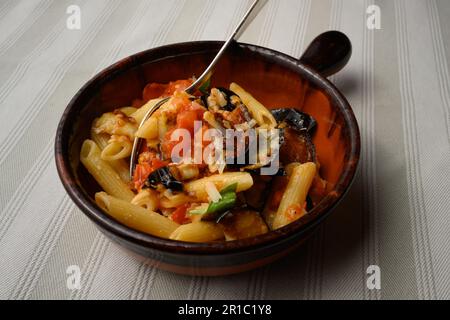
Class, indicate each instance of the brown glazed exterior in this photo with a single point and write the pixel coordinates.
(275, 79)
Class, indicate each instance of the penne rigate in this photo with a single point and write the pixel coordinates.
(116, 124)
(174, 200)
(294, 197)
(136, 217)
(198, 232)
(147, 199)
(162, 126)
(128, 111)
(197, 188)
(139, 114)
(258, 111)
(120, 166)
(149, 130)
(118, 148)
(103, 173)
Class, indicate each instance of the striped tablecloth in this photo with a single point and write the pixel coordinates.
(396, 216)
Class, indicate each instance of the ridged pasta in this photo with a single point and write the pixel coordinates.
(197, 188)
(198, 232)
(136, 217)
(105, 175)
(295, 195)
(147, 199)
(119, 147)
(120, 166)
(116, 124)
(149, 130)
(260, 113)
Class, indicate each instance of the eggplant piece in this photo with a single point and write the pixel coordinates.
(295, 119)
(165, 177)
(256, 196)
(295, 140)
(255, 168)
(242, 224)
(297, 128)
(297, 147)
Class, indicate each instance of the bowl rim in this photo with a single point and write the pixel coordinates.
(275, 237)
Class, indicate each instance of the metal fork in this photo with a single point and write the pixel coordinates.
(206, 75)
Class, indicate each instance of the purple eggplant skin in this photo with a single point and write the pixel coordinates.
(228, 94)
(297, 146)
(163, 176)
(295, 119)
(297, 129)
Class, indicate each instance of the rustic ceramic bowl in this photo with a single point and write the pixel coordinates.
(272, 77)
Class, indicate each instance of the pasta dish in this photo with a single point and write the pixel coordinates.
(215, 166)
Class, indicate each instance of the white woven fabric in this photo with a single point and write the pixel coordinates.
(396, 215)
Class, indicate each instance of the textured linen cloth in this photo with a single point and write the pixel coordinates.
(396, 216)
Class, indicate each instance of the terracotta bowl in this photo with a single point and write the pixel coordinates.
(272, 77)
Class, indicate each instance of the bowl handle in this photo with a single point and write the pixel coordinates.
(328, 53)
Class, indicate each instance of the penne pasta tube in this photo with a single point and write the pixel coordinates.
(103, 173)
(174, 201)
(292, 203)
(188, 171)
(198, 187)
(273, 202)
(149, 130)
(198, 232)
(128, 111)
(101, 139)
(243, 224)
(147, 199)
(120, 166)
(209, 117)
(260, 113)
(136, 217)
(142, 111)
(162, 126)
(119, 147)
(115, 124)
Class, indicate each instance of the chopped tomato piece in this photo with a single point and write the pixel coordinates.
(186, 120)
(148, 162)
(153, 91)
(147, 156)
(157, 164)
(179, 85)
(159, 90)
(181, 101)
(167, 145)
(180, 214)
(295, 211)
(141, 173)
